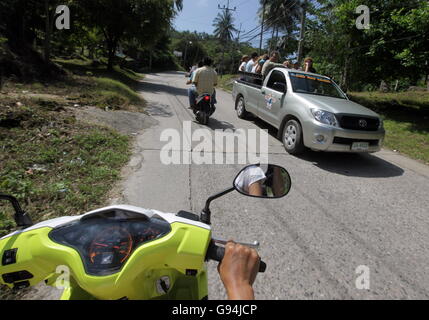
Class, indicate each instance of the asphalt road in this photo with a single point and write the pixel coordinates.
(344, 210)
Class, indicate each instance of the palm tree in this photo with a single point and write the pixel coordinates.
(224, 29)
(224, 26)
(178, 4)
(281, 15)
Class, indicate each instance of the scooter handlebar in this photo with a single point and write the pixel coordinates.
(217, 253)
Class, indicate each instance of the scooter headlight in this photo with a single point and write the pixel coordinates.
(325, 117)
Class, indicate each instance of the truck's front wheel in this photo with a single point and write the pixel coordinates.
(241, 109)
(292, 137)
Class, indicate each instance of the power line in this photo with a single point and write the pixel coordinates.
(251, 33)
(271, 20)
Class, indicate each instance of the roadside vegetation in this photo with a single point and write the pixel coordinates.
(52, 163)
(406, 120)
(226, 81)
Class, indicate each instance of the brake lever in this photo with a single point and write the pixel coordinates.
(254, 245)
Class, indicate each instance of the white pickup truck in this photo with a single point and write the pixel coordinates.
(309, 110)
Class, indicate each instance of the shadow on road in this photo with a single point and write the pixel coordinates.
(161, 88)
(215, 124)
(348, 164)
(352, 164)
(163, 73)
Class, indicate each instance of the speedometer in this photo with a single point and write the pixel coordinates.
(106, 240)
(110, 247)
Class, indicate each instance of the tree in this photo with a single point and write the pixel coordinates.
(224, 26)
(280, 17)
(393, 48)
(178, 4)
(122, 20)
(224, 29)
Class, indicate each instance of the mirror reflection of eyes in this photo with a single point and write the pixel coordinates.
(274, 182)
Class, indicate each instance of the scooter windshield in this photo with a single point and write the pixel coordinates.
(106, 240)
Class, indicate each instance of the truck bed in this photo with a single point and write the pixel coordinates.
(256, 79)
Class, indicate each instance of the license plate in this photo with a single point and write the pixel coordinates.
(360, 146)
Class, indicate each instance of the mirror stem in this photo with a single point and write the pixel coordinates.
(206, 213)
(22, 219)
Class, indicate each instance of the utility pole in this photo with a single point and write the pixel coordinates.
(227, 9)
(186, 51)
(239, 32)
(302, 32)
(262, 28)
(238, 46)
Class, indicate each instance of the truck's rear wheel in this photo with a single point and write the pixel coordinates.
(292, 137)
(241, 109)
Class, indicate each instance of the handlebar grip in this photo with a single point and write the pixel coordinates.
(217, 253)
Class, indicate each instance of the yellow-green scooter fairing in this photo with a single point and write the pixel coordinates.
(119, 252)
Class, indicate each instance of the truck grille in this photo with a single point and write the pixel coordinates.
(347, 141)
(359, 123)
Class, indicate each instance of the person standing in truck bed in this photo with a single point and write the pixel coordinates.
(271, 63)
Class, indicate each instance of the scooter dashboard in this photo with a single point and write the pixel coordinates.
(105, 241)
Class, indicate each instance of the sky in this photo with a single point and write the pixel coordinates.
(198, 15)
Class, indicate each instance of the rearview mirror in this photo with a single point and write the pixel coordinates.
(263, 181)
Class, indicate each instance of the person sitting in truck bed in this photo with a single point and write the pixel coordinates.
(251, 62)
(260, 63)
(243, 64)
(308, 65)
(271, 63)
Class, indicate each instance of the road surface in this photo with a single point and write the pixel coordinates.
(345, 213)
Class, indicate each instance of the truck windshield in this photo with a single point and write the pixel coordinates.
(303, 83)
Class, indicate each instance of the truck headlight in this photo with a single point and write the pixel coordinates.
(325, 117)
(381, 125)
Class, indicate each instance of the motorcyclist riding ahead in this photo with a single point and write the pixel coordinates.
(205, 80)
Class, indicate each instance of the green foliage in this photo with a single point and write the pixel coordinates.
(394, 48)
(224, 26)
(144, 21)
(64, 170)
(204, 44)
(98, 27)
(226, 82)
(406, 116)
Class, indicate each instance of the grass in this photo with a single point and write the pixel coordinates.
(52, 163)
(56, 166)
(226, 81)
(87, 85)
(406, 120)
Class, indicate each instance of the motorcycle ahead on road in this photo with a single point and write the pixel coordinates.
(126, 252)
(204, 108)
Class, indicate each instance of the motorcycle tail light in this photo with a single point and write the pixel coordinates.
(207, 98)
